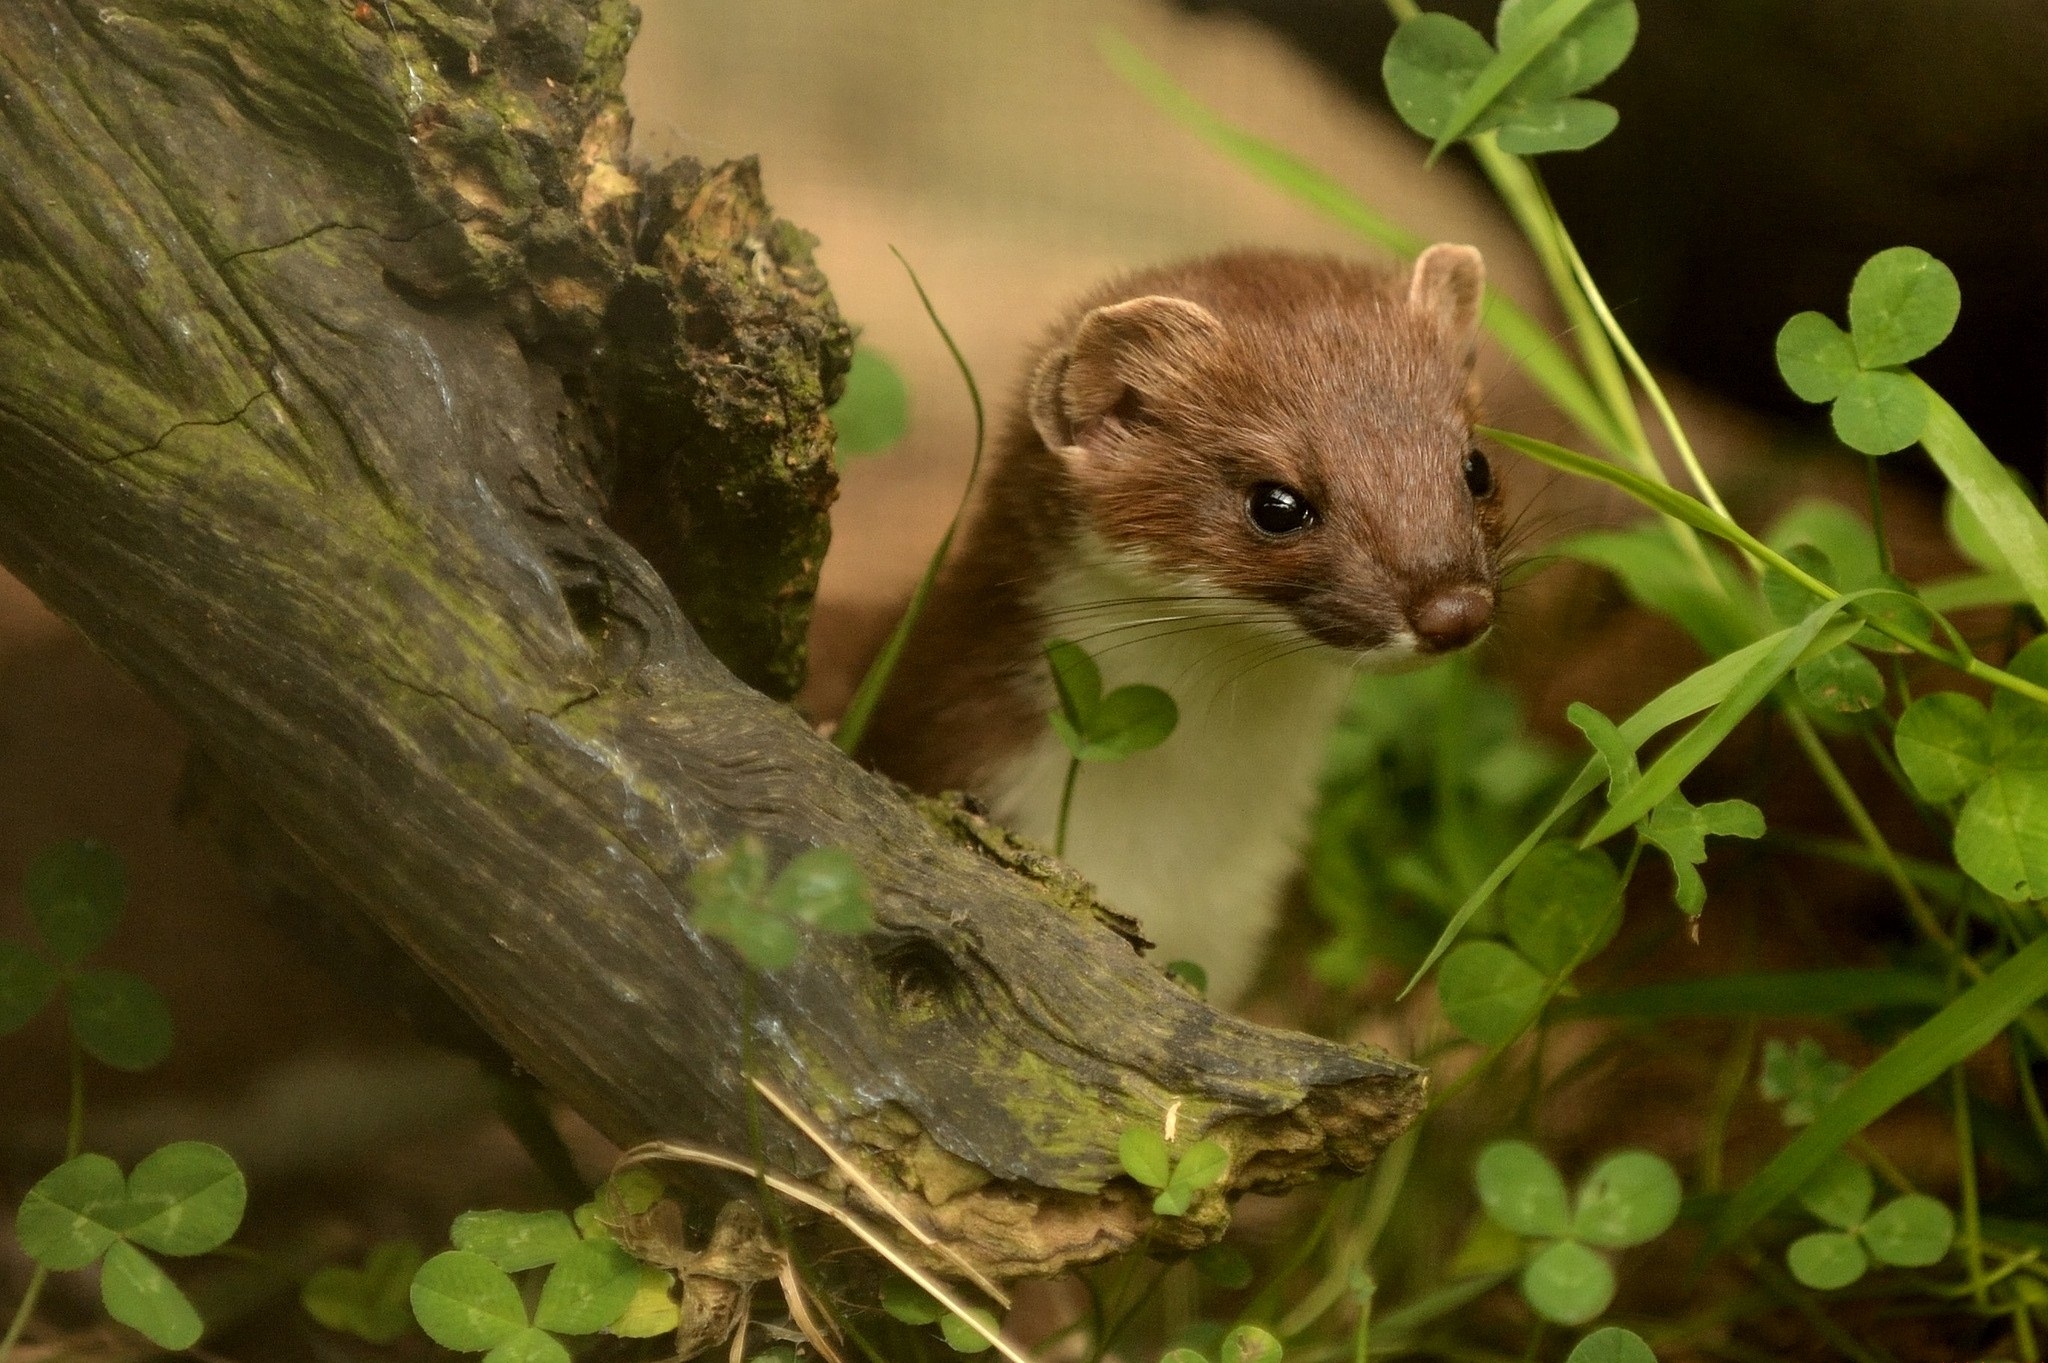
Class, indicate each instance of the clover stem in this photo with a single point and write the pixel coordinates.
(1059, 835)
(1884, 550)
(23, 1312)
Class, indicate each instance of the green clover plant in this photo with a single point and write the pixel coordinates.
(182, 1200)
(466, 1299)
(734, 900)
(1611, 1345)
(1097, 727)
(1559, 908)
(1630, 1197)
(874, 410)
(1447, 82)
(1245, 1344)
(76, 892)
(372, 1302)
(911, 1304)
(1903, 304)
(1996, 763)
(1146, 1157)
(1912, 1231)
(1803, 1078)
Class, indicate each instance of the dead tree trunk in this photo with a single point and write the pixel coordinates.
(329, 334)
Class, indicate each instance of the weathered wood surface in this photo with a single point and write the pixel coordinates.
(325, 332)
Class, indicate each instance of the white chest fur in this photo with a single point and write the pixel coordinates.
(1197, 837)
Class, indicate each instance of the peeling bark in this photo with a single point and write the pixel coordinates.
(459, 485)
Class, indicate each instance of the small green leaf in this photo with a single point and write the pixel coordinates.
(1430, 64)
(1826, 1260)
(874, 411)
(1903, 304)
(1587, 52)
(119, 1019)
(1249, 1344)
(370, 1302)
(1840, 1194)
(1568, 1284)
(1630, 1198)
(963, 1338)
(1130, 720)
(1804, 1078)
(26, 983)
(1910, 1232)
(736, 876)
(630, 1192)
(1076, 681)
(2002, 834)
(1559, 905)
(76, 891)
(466, 1303)
(1190, 974)
(589, 1287)
(1612, 1345)
(1788, 601)
(1182, 1356)
(1522, 1190)
(653, 1310)
(1173, 1200)
(1841, 680)
(139, 1295)
(825, 889)
(1881, 412)
(529, 1346)
(1145, 1156)
(1488, 991)
(1943, 742)
(1615, 750)
(73, 1213)
(1224, 1265)
(909, 1303)
(1680, 830)
(186, 1198)
(1816, 357)
(1204, 1164)
(1559, 125)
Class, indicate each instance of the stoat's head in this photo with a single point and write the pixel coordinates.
(1293, 431)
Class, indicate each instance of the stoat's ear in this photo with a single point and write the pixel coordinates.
(1449, 286)
(1120, 354)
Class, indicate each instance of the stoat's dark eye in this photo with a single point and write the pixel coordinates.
(1278, 509)
(1478, 475)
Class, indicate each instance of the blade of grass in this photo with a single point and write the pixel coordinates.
(1997, 502)
(1526, 340)
(1944, 1040)
(860, 710)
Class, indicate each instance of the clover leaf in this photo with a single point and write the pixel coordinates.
(733, 899)
(1224, 1265)
(1611, 1345)
(515, 1241)
(1447, 82)
(1804, 1078)
(874, 410)
(1146, 1157)
(371, 1302)
(1951, 747)
(912, 1305)
(1908, 1232)
(1104, 728)
(184, 1199)
(1902, 304)
(75, 893)
(1629, 1198)
(1557, 909)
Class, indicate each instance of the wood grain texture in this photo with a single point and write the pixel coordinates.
(329, 335)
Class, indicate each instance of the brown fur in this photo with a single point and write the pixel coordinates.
(1156, 403)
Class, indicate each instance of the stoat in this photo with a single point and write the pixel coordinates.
(1240, 479)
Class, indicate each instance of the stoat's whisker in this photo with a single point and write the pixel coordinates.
(1196, 628)
(1194, 622)
(1149, 598)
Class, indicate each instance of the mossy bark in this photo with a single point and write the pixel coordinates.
(439, 468)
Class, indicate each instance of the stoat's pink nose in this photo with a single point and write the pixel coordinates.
(1452, 618)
